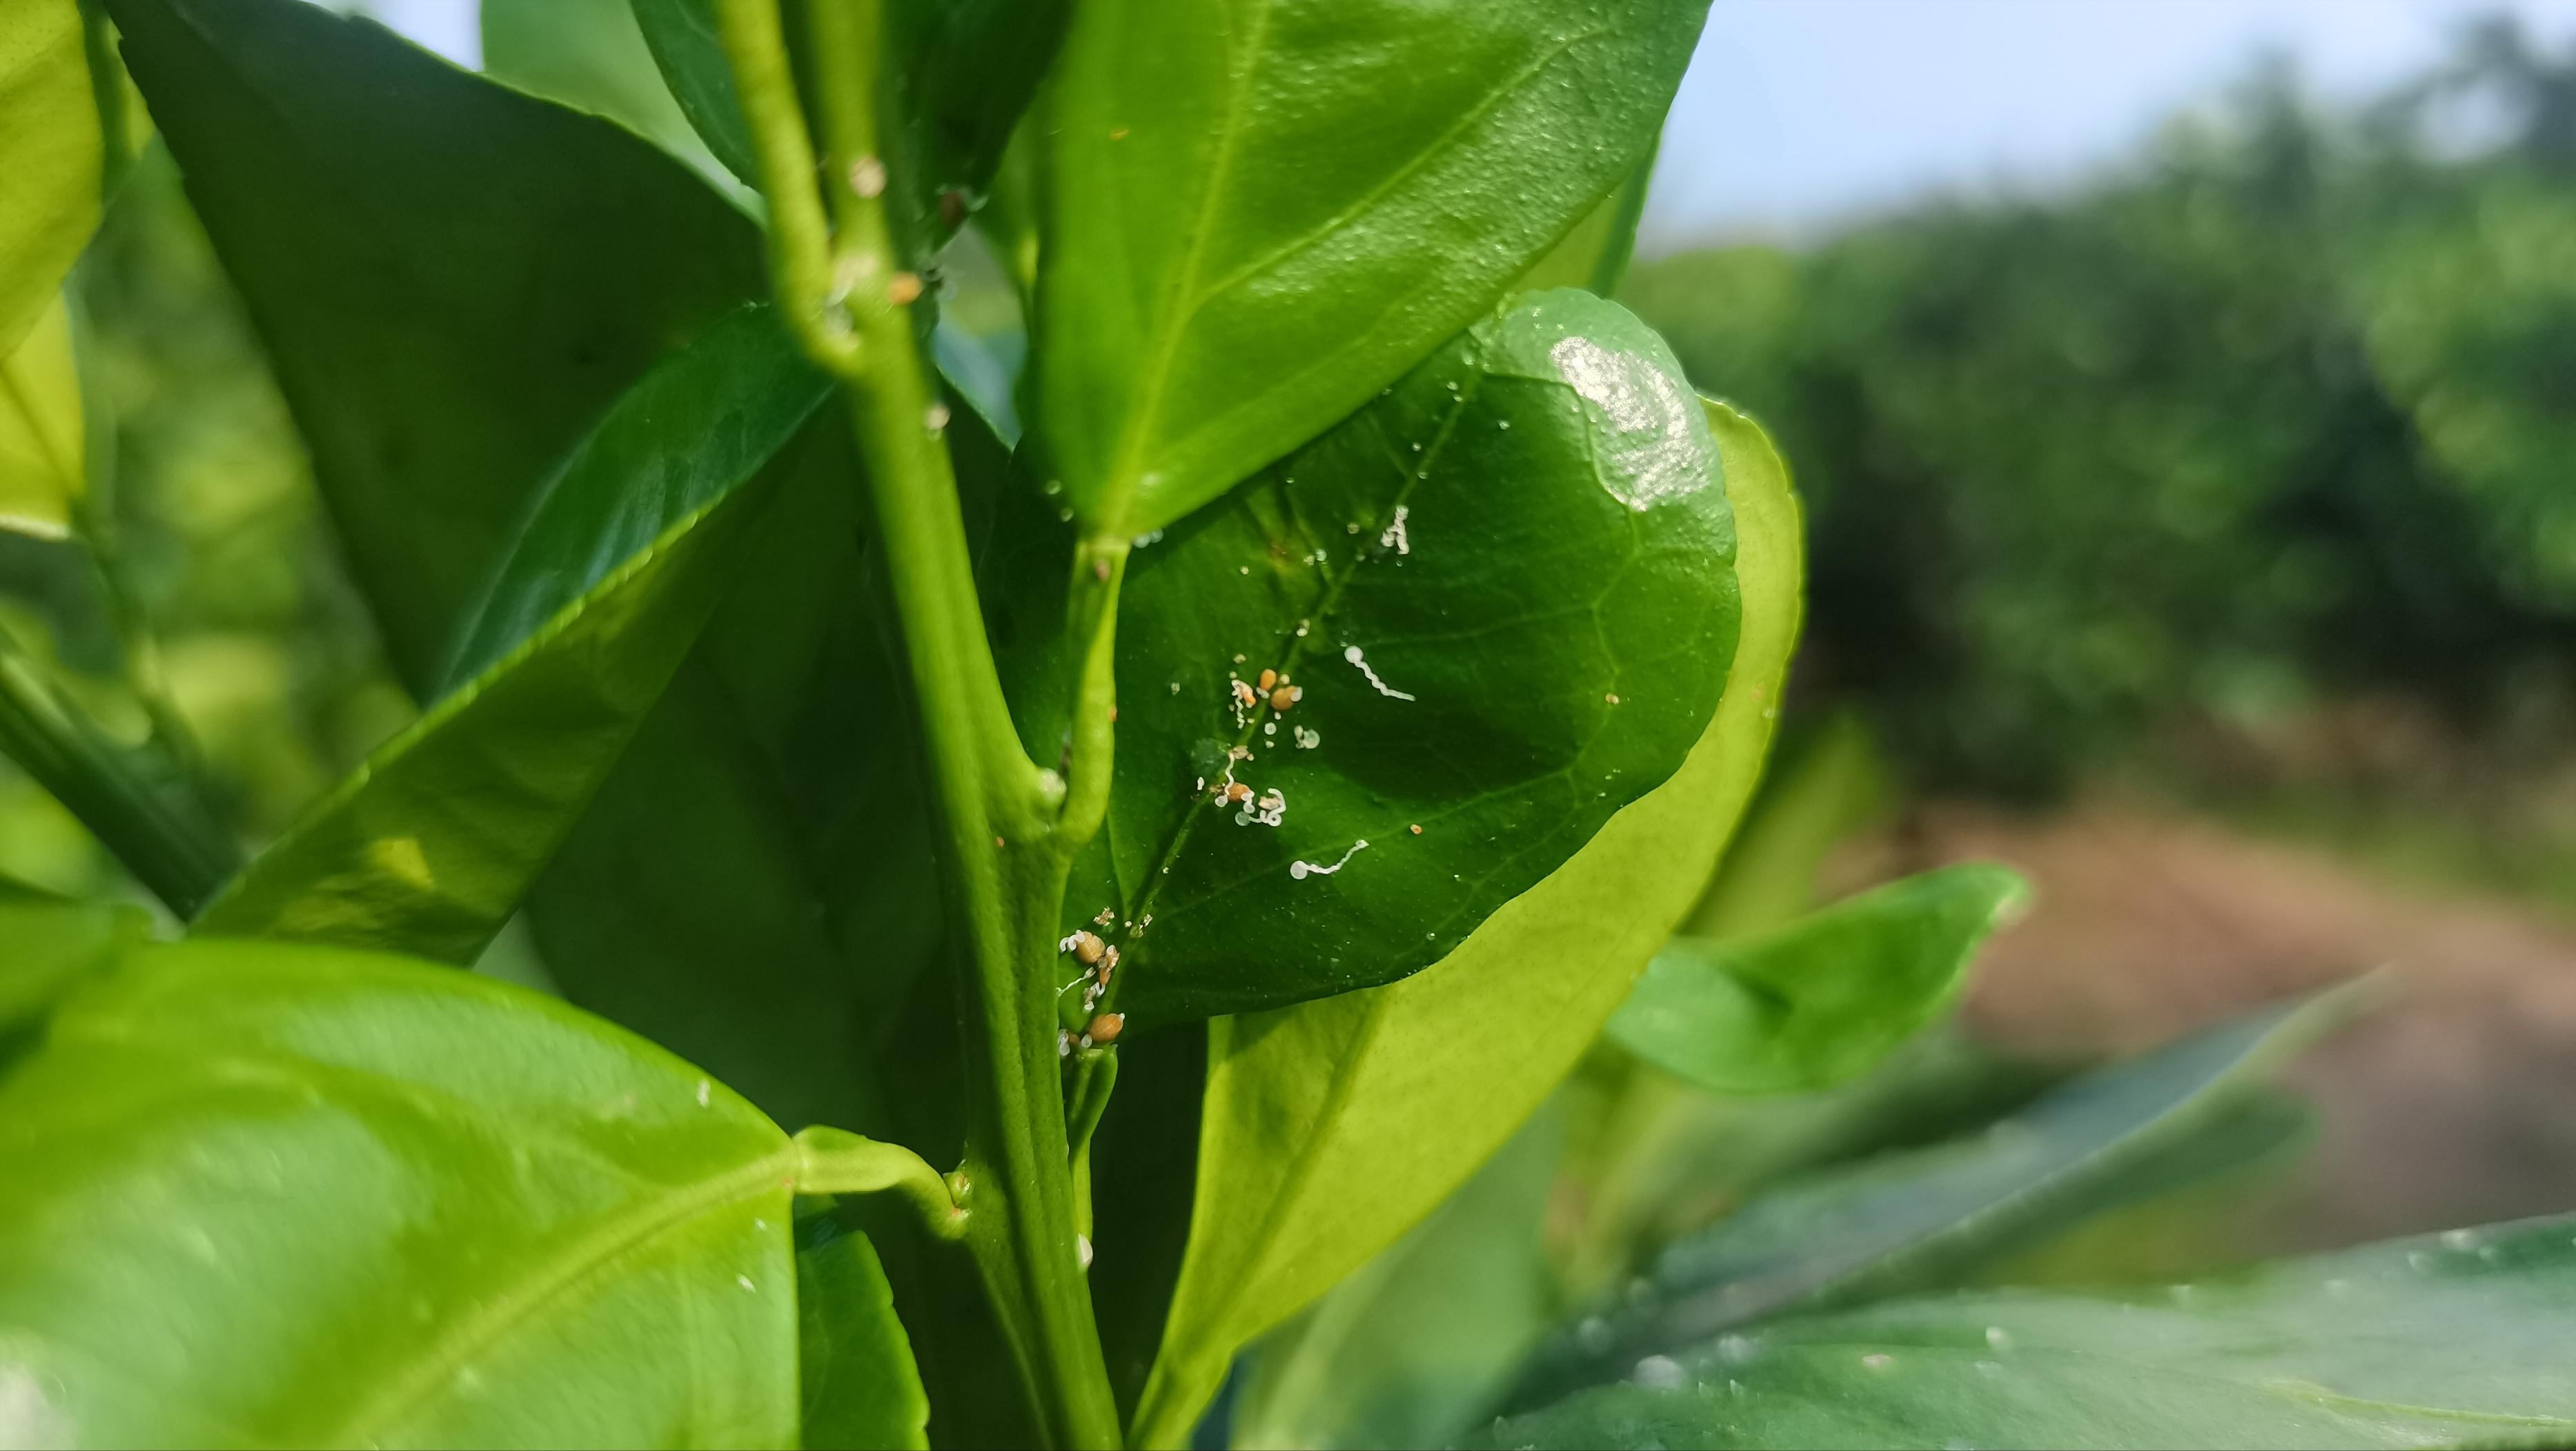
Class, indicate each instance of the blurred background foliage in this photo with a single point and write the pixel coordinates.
(2273, 416)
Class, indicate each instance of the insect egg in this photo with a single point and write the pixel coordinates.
(1106, 1027)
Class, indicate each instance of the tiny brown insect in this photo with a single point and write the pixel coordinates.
(905, 289)
(1244, 694)
(1236, 792)
(1269, 679)
(1416, 828)
(1088, 947)
(1106, 1027)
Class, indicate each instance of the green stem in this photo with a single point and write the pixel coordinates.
(1006, 843)
(182, 859)
(835, 1161)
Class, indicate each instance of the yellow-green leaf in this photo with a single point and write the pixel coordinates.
(43, 461)
(50, 156)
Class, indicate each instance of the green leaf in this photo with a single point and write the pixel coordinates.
(689, 51)
(1594, 256)
(1505, 591)
(960, 74)
(592, 55)
(1908, 1220)
(269, 1195)
(849, 1339)
(2450, 1340)
(1332, 1127)
(1823, 787)
(772, 816)
(1410, 1348)
(44, 466)
(1821, 1000)
(436, 840)
(50, 946)
(453, 289)
(1260, 213)
(52, 161)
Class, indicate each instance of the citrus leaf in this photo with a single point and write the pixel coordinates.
(1262, 212)
(52, 160)
(432, 844)
(2450, 1340)
(1334, 1126)
(1499, 602)
(453, 289)
(264, 1194)
(44, 466)
(1911, 1219)
(1818, 1001)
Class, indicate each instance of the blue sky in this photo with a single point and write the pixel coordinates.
(1797, 113)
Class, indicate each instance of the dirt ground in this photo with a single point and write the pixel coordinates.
(2452, 1104)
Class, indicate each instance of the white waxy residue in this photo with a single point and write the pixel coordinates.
(1395, 537)
(1646, 421)
(1302, 870)
(1353, 654)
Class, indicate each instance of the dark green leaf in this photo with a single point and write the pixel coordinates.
(849, 1340)
(1333, 1126)
(1906, 1220)
(454, 288)
(279, 1195)
(433, 843)
(1506, 593)
(1818, 1001)
(2450, 1340)
(753, 884)
(958, 75)
(690, 53)
(1261, 213)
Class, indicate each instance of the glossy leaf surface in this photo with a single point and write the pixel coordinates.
(1333, 1127)
(1822, 999)
(51, 157)
(44, 465)
(848, 1339)
(961, 73)
(1905, 1220)
(278, 1195)
(2456, 1339)
(454, 289)
(433, 843)
(1505, 596)
(1261, 212)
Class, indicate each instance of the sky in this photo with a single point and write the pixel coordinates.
(1799, 113)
